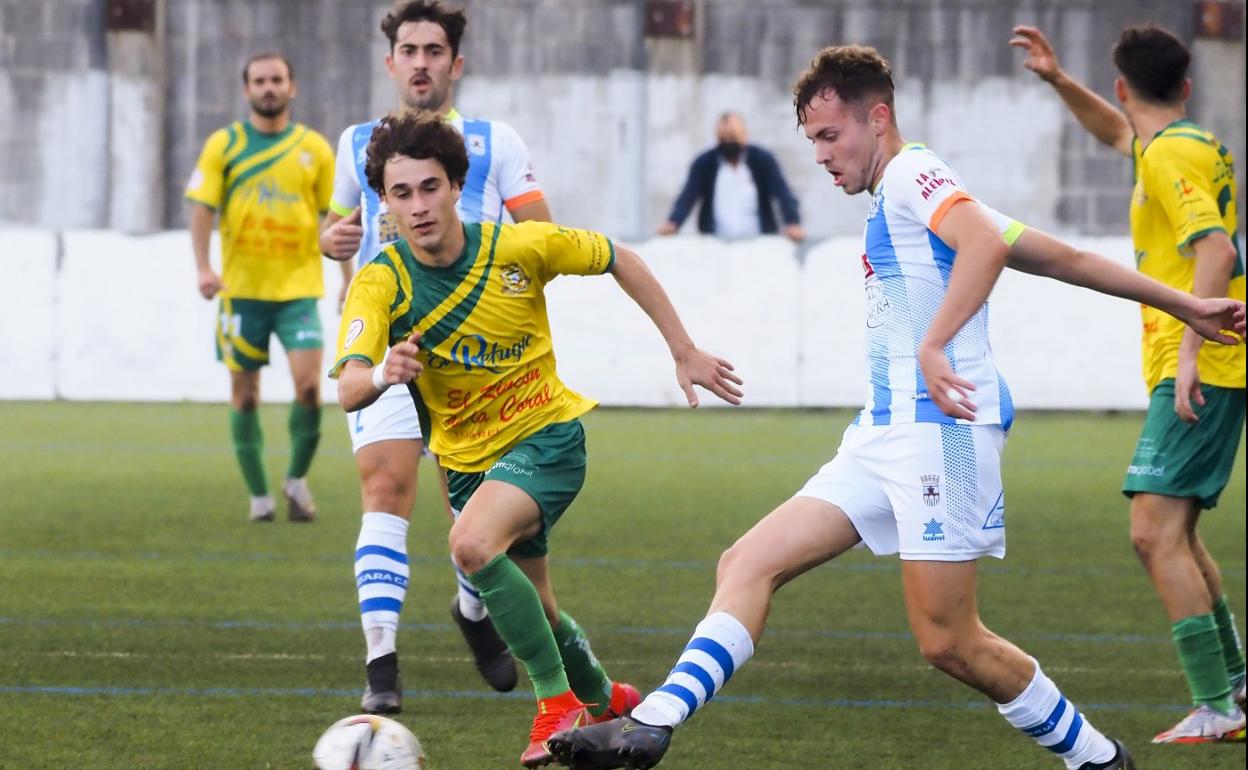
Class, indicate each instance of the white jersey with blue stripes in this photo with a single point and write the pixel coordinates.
(500, 176)
(907, 270)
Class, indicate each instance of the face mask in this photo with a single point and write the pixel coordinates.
(730, 150)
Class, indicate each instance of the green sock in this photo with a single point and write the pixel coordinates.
(249, 448)
(1232, 647)
(517, 611)
(305, 434)
(1200, 652)
(589, 680)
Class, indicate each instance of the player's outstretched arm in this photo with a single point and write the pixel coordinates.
(359, 384)
(1097, 116)
(693, 366)
(201, 219)
(1040, 254)
(980, 257)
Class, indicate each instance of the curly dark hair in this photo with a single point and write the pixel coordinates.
(418, 135)
(1153, 62)
(452, 21)
(856, 73)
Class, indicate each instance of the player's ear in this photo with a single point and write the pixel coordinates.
(1187, 89)
(1121, 90)
(457, 68)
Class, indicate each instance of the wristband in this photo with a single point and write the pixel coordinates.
(379, 377)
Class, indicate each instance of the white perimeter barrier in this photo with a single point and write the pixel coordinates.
(102, 316)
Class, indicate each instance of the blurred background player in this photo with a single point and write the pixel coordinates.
(425, 63)
(1183, 225)
(736, 186)
(918, 473)
(270, 179)
(501, 422)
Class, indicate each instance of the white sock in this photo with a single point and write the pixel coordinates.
(1055, 723)
(720, 645)
(381, 575)
(470, 604)
(298, 489)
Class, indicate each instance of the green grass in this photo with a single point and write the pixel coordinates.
(144, 623)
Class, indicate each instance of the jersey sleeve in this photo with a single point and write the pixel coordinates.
(926, 186)
(346, 194)
(324, 174)
(569, 251)
(517, 184)
(207, 182)
(364, 331)
(1185, 191)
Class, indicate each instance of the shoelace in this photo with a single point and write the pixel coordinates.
(544, 726)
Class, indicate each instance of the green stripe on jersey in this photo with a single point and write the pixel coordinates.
(458, 314)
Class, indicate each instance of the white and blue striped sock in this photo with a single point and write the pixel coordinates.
(720, 645)
(470, 604)
(381, 575)
(1055, 723)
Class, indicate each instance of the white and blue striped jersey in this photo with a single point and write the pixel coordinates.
(500, 177)
(907, 274)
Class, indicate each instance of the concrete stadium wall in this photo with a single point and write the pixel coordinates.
(612, 118)
(94, 315)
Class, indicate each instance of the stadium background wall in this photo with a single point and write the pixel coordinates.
(116, 118)
(96, 315)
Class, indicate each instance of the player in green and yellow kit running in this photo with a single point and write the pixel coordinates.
(1185, 233)
(461, 309)
(270, 181)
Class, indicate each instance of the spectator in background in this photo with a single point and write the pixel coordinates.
(737, 185)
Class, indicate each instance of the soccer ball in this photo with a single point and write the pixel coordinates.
(368, 742)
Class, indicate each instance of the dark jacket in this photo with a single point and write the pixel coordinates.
(700, 186)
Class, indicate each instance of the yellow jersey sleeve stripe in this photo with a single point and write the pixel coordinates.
(403, 302)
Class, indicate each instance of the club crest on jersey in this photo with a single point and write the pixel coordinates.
(476, 144)
(515, 280)
(930, 483)
(353, 332)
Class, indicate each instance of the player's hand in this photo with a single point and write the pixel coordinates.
(795, 233)
(341, 240)
(947, 390)
(697, 367)
(668, 228)
(209, 284)
(1040, 56)
(1187, 388)
(1212, 318)
(401, 366)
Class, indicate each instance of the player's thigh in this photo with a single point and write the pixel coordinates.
(244, 388)
(392, 417)
(497, 515)
(800, 534)
(1162, 522)
(944, 485)
(940, 596)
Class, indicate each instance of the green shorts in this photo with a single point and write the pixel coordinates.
(549, 466)
(245, 325)
(1178, 459)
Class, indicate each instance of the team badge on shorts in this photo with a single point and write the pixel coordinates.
(931, 489)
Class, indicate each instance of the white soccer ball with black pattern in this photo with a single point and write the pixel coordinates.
(368, 742)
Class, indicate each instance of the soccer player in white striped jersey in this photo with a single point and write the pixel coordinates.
(425, 64)
(918, 472)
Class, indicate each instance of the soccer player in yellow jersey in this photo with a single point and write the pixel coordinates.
(270, 181)
(1184, 228)
(461, 309)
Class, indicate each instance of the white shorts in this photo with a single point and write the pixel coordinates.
(393, 416)
(930, 492)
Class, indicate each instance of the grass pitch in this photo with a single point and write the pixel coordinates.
(144, 623)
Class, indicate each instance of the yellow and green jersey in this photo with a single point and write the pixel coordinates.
(489, 378)
(270, 191)
(1184, 190)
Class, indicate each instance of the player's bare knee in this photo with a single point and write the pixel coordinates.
(245, 401)
(741, 564)
(942, 649)
(385, 490)
(469, 550)
(309, 395)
